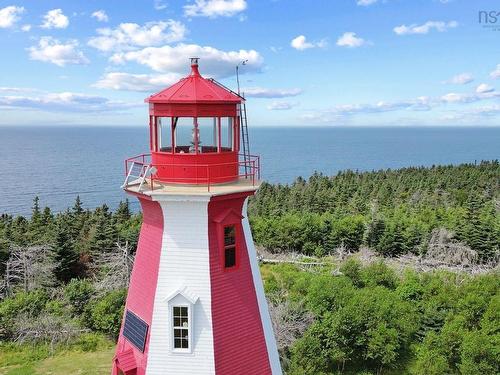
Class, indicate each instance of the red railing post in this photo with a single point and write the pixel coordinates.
(208, 178)
(253, 172)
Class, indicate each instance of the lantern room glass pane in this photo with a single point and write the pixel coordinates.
(184, 135)
(164, 134)
(208, 134)
(227, 134)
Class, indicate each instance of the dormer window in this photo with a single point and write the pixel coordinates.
(229, 246)
(181, 307)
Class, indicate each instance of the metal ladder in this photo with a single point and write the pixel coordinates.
(244, 138)
(244, 126)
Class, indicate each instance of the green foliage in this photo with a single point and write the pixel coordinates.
(105, 314)
(370, 319)
(78, 293)
(393, 212)
(480, 354)
(75, 235)
(22, 303)
(352, 269)
(379, 274)
(430, 360)
(90, 342)
(65, 256)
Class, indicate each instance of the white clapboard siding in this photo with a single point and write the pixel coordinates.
(184, 262)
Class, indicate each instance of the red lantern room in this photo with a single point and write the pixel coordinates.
(195, 134)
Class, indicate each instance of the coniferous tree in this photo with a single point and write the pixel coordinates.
(473, 230)
(123, 213)
(104, 233)
(35, 223)
(65, 257)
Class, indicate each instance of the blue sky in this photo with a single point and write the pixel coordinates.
(328, 63)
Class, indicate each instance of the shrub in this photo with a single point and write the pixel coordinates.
(78, 293)
(23, 303)
(351, 268)
(105, 315)
(480, 354)
(378, 273)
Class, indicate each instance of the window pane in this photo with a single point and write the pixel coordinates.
(181, 327)
(208, 134)
(229, 235)
(177, 333)
(184, 134)
(230, 257)
(227, 133)
(165, 134)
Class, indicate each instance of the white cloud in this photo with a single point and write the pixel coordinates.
(65, 102)
(366, 2)
(130, 35)
(100, 15)
(137, 82)
(491, 110)
(453, 97)
(159, 5)
(425, 28)
(55, 19)
(26, 28)
(18, 90)
(260, 92)
(281, 106)
(461, 79)
(350, 39)
(422, 103)
(300, 43)
(9, 16)
(496, 73)
(55, 52)
(215, 8)
(484, 88)
(174, 59)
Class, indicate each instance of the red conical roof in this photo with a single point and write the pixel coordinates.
(195, 89)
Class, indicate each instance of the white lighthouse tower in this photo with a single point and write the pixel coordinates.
(196, 303)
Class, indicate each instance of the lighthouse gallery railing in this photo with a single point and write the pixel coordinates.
(140, 167)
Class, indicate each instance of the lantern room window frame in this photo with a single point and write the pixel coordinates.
(156, 135)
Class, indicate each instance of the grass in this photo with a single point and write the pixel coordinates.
(79, 359)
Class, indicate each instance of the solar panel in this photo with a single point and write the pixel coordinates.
(135, 330)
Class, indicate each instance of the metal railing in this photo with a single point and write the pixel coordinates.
(141, 169)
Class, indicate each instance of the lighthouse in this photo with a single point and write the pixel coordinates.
(195, 303)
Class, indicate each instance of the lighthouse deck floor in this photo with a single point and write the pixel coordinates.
(239, 186)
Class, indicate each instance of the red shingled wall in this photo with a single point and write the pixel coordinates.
(239, 342)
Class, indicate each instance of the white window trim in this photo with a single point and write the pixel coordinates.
(173, 349)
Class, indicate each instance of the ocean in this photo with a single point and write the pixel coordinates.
(58, 163)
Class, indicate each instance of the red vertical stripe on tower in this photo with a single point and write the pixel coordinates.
(239, 342)
(141, 292)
